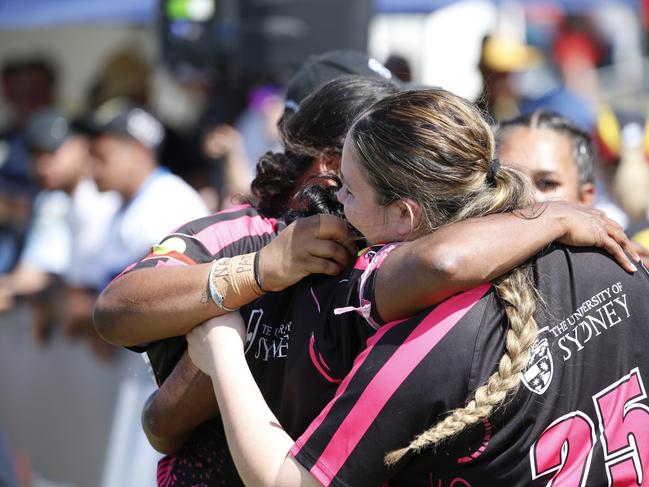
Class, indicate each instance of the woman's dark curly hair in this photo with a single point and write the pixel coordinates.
(318, 128)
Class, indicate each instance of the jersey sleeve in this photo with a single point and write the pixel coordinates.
(381, 405)
(180, 248)
(231, 232)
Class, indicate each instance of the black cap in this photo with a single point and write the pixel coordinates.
(120, 116)
(46, 131)
(320, 69)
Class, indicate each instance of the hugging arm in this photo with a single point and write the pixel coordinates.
(259, 446)
(184, 401)
(454, 258)
(462, 255)
(158, 302)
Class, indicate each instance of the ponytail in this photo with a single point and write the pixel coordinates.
(276, 180)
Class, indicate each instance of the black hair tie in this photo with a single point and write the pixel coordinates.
(494, 165)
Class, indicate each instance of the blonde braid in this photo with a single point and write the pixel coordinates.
(519, 297)
(436, 149)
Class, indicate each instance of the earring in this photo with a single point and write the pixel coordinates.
(412, 217)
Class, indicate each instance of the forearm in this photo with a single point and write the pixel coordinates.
(151, 304)
(185, 400)
(460, 256)
(168, 445)
(26, 280)
(259, 445)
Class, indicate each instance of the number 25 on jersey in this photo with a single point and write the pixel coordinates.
(565, 448)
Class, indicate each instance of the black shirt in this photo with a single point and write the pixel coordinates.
(579, 417)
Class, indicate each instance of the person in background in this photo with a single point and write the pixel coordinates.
(124, 139)
(257, 124)
(28, 85)
(554, 152)
(501, 57)
(70, 222)
(558, 156)
(225, 144)
(154, 201)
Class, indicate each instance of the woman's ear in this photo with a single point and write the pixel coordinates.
(409, 218)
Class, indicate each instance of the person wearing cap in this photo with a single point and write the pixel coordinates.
(125, 138)
(71, 217)
(501, 56)
(319, 69)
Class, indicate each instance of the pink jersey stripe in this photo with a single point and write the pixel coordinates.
(170, 262)
(125, 271)
(221, 234)
(164, 476)
(315, 424)
(232, 209)
(388, 379)
(317, 365)
(220, 212)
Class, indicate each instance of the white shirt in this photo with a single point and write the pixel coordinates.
(89, 220)
(162, 204)
(48, 241)
(68, 231)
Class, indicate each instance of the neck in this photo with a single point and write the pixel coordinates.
(73, 183)
(137, 181)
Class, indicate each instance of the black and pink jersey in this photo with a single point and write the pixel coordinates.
(236, 231)
(302, 342)
(579, 418)
(300, 345)
(204, 460)
(315, 316)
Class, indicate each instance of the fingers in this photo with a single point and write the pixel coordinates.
(333, 228)
(327, 249)
(614, 248)
(323, 266)
(616, 232)
(628, 246)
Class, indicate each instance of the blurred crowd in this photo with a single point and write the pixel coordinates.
(85, 194)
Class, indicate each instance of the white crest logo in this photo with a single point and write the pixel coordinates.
(537, 375)
(253, 327)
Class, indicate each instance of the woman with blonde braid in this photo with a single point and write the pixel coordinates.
(503, 384)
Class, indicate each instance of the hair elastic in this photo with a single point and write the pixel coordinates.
(494, 165)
